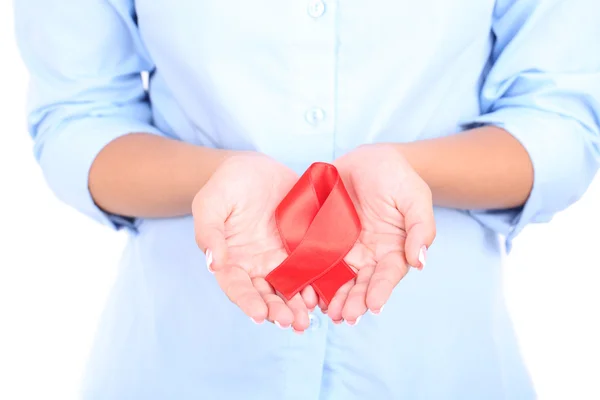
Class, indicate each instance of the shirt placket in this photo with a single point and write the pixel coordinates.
(313, 63)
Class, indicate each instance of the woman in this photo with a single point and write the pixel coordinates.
(480, 113)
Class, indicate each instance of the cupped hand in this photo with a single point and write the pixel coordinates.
(234, 218)
(395, 209)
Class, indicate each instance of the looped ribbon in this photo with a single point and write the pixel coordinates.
(318, 225)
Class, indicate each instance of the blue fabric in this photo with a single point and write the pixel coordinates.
(306, 81)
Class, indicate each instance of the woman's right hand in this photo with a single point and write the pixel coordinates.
(234, 218)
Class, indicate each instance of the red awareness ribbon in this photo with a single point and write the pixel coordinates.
(319, 225)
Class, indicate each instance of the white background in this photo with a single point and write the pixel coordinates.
(56, 268)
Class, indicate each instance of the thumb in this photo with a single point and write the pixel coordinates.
(420, 230)
(209, 227)
(211, 241)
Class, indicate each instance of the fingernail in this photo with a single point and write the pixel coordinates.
(377, 312)
(338, 321)
(352, 323)
(257, 322)
(209, 260)
(423, 256)
(297, 332)
(312, 309)
(279, 325)
(324, 311)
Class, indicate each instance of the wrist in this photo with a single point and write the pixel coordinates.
(202, 162)
(413, 154)
(213, 158)
(419, 158)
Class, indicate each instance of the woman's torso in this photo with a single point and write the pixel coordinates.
(303, 83)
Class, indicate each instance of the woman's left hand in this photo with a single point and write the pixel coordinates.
(395, 209)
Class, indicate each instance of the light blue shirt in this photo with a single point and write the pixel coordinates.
(304, 81)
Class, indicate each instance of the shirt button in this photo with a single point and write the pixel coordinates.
(315, 322)
(314, 116)
(316, 8)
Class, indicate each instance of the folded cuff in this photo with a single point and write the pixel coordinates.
(555, 146)
(67, 158)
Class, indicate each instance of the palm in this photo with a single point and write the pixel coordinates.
(234, 215)
(382, 200)
(253, 242)
(382, 232)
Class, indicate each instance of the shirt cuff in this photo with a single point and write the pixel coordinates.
(554, 148)
(67, 158)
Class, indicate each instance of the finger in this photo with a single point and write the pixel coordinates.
(388, 273)
(278, 312)
(310, 297)
(238, 287)
(301, 320)
(356, 302)
(337, 303)
(322, 306)
(210, 214)
(420, 229)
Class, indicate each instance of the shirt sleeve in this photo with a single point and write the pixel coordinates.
(543, 87)
(85, 60)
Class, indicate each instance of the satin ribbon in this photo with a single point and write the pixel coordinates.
(319, 225)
